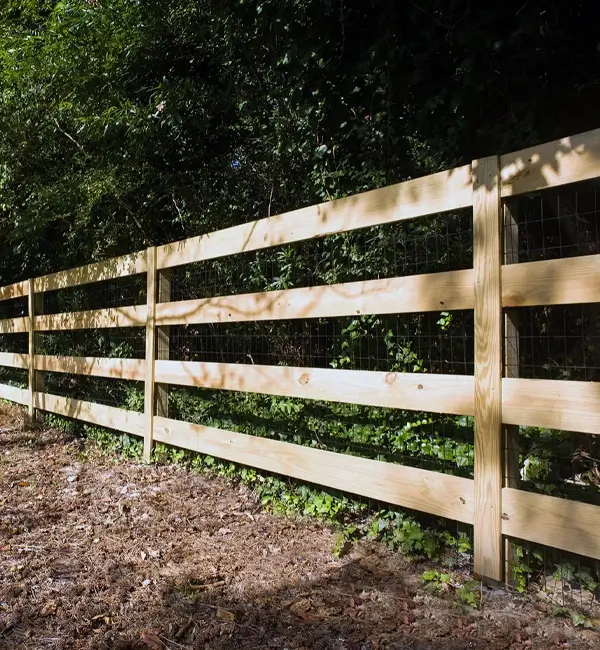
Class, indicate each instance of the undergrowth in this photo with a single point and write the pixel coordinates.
(416, 536)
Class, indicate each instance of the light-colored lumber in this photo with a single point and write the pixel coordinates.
(414, 391)
(560, 523)
(117, 267)
(14, 325)
(14, 394)
(552, 404)
(134, 316)
(441, 192)
(572, 159)
(12, 360)
(16, 290)
(419, 293)
(151, 291)
(568, 281)
(163, 342)
(134, 369)
(98, 414)
(432, 492)
(511, 369)
(488, 370)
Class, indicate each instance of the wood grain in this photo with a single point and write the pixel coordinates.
(572, 159)
(134, 316)
(413, 391)
(559, 523)
(438, 494)
(573, 280)
(14, 394)
(432, 292)
(117, 267)
(488, 370)
(98, 414)
(552, 404)
(12, 360)
(14, 325)
(441, 192)
(16, 290)
(134, 369)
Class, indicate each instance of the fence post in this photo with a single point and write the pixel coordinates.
(488, 369)
(150, 352)
(163, 342)
(35, 303)
(511, 369)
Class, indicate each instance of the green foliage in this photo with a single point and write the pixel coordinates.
(435, 579)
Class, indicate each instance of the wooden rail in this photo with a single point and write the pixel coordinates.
(97, 318)
(17, 290)
(11, 360)
(14, 325)
(93, 366)
(440, 494)
(492, 502)
(419, 293)
(414, 391)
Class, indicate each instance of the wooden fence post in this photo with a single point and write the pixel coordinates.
(35, 302)
(163, 342)
(488, 369)
(511, 369)
(150, 353)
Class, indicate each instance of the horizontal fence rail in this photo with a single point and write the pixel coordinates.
(490, 502)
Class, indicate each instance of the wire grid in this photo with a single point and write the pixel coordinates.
(435, 342)
(560, 343)
(16, 343)
(120, 292)
(425, 440)
(427, 245)
(14, 308)
(119, 393)
(568, 580)
(14, 377)
(560, 222)
(118, 342)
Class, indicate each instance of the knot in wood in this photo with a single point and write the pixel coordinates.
(304, 378)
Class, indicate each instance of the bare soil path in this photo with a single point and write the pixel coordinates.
(99, 553)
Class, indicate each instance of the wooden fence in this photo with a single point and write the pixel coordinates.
(495, 508)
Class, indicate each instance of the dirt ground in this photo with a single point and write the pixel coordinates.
(99, 553)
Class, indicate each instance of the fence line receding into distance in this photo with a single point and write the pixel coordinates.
(490, 503)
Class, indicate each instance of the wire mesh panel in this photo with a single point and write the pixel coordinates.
(431, 244)
(438, 342)
(556, 342)
(13, 377)
(120, 292)
(122, 343)
(17, 343)
(110, 392)
(559, 223)
(15, 308)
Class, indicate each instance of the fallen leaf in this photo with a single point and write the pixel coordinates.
(150, 638)
(49, 608)
(301, 608)
(225, 615)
